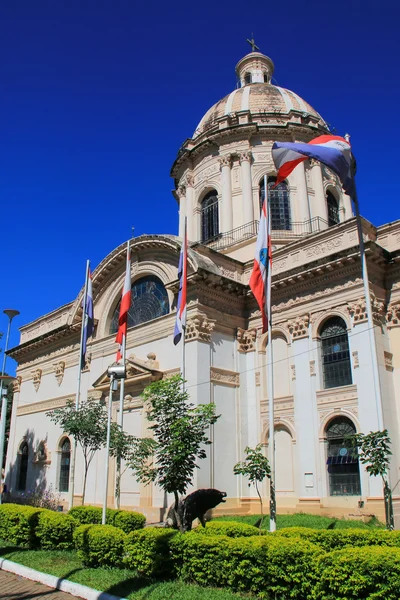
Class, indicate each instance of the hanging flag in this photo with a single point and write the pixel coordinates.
(88, 320)
(180, 322)
(331, 150)
(125, 306)
(260, 280)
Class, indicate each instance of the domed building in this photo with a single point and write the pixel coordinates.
(324, 387)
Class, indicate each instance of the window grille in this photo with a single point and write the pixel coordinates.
(342, 461)
(23, 466)
(209, 217)
(279, 202)
(63, 484)
(335, 354)
(149, 300)
(333, 209)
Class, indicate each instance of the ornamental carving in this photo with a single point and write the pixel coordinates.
(199, 327)
(356, 360)
(181, 192)
(388, 360)
(16, 384)
(190, 180)
(224, 377)
(299, 327)
(358, 310)
(325, 247)
(246, 339)
(393, 315)
(245, 156)
(88, 360)
(225, 161)
(258, 378)
(59, 369)
(37, 377)
(293, 370)
(312, 368)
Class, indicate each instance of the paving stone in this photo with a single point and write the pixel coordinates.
(15, 587)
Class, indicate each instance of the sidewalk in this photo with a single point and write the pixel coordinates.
(14, 587)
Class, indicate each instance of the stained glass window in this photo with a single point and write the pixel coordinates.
(149, 301)
(342, 462)
(64, 465)
(335, 353)
(279, 202)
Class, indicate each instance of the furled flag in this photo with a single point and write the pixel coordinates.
(331, 150)
(260, 280)
(124, 308)
(88, 320)
(180, 322)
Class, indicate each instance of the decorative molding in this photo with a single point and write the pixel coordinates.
(293, 370)
(199, 327)
(299, 327)
(181, 192)
(225, 161)
(339, 396)
(393, 315)
(312, 368)
(258, 378)
(45, 405)
(17, 384)
(323, 291)
(59, 369)
(224, 377)
(190, 180)
(388, 360)
(325, 247)
(245, 156)
(37, 377)
(246, 339)
(358, 310)
(356, 360)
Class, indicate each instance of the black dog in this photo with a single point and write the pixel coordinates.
(194, 506)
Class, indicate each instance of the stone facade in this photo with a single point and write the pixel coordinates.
(316, 277)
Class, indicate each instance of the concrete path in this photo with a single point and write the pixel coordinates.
(14, 587)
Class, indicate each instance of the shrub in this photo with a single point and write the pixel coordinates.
(354, 573)
(18, 524)
(55, 530)
(331, 540)
(264, 565)
(88, 515)
(229, 528)
(128, 520)
(100, 545)
(148, 551)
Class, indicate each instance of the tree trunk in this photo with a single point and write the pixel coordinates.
(387, 494)
(261, 504)
(84, 483)
(177, 512)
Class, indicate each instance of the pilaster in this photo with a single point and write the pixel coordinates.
(245, 159)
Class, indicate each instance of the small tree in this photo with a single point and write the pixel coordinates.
(88, 426)
(374, 453)
(256, 468)
(179, 435)
(121, 445)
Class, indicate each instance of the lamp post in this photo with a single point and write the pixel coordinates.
(11, 313)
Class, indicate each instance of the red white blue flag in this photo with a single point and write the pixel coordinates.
(331, 150)
(180, 322)
(88, 320)
(260, 280)
(125, 306)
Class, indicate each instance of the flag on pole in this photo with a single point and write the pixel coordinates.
(180, 322)
(260, 280)
(88, 320)
(125, 306)
(331, 150)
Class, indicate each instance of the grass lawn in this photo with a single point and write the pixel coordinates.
(120, 582)
(304, 520)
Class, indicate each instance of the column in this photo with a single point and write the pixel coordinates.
(320, 207)
(189, 207)
(247, 192)
(226, 183)
(303, 211)
(181, 193)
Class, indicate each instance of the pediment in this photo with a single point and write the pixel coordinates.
(139, 373)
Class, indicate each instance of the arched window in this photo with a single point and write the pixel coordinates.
(333, 209)
(279, 202)
(247, 78)
(266, 77)
(65, 458)
(209, 217)
(335, 353)
(149, 301)
(343, 468)
(23, 466)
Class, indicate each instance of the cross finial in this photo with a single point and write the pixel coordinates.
(252, 43)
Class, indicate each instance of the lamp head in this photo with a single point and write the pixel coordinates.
(11, 313)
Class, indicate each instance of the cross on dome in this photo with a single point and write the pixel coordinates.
(252, 43)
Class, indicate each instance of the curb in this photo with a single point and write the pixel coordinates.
(76, 589)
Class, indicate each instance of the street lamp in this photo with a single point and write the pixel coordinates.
(11, 313)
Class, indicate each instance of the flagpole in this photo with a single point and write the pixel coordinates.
(270, 359)
(183, 358)
(71, 488)
(104, 512)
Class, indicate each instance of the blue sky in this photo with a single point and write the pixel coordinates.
(98, 96)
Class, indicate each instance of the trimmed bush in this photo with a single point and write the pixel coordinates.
(128, 520)
(148, 551)
(354, 573)
(264, 565)
(89, 515)
(55, 530)
(229, 528)
(333, 539)
(100, 545)
(18, 524)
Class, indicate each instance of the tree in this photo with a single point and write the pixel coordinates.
(179, 438)
(374, 453)
(256, 468)
(88, 426)
(121, 447)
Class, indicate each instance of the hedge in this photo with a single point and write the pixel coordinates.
(268, 566)
(148, 551)
(336, 539)
(55, 530)
(18, 524)
(124, 519)
(100, 545)
(354, 573)
(229, 528)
